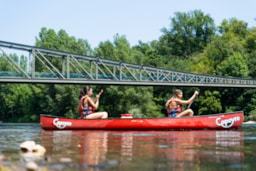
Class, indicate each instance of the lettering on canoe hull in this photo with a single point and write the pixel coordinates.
(61, 124)
(227, 123)
(136, 120)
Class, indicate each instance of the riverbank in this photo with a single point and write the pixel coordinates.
(250, 122)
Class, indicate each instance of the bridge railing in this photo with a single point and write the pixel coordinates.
(52, 66)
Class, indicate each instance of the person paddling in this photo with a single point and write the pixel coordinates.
(173, 105)
(87, 105)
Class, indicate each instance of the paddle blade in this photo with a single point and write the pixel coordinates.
(101, 91)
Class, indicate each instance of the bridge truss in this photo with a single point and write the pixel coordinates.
(57, 67)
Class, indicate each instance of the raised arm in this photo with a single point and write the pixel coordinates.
(189, 100)
(94, 103)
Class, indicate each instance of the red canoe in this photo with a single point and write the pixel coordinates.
(222, 121)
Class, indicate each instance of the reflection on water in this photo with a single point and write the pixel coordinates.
(134, 150)
(151, 150)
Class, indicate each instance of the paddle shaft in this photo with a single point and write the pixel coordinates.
(190, 104)
(101, 91)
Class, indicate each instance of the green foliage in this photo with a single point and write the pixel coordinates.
(248, 103)
(250, 45)
(148, 54)
(209, 103)
(122, 49)
(19, 100)
(189, 33)
(235, 66)
(237, 27)
(131, 99)
(49, 39)
(105, 50)
(252, 115)
(118, 50)
(136, 112)
(251, 63)
(66, 100)
(202, 64)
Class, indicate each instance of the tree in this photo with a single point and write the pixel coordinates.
(49, 39)
(4, 91)
(234, 26)
(122, 49)
(61, 41)
(235, 66)
(66, 100)
(248, 103)
(63, 97)
(149, 54)
(217, 51)
(105, 50)
(119, 50)
(250, 46)
(19, 102)
(209, 102)
(189, 33)
(126, 99)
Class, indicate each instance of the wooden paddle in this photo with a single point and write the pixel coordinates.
(101, 91)
(190, 104)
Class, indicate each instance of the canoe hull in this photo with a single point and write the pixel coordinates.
(222, 121)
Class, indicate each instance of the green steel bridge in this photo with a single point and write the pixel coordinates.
(57, 67)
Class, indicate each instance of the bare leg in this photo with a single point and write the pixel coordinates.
(97, 115)
(105, 115)
(188, 112)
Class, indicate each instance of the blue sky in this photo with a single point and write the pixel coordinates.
(101, 20)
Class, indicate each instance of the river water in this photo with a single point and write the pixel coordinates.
(130, 150)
